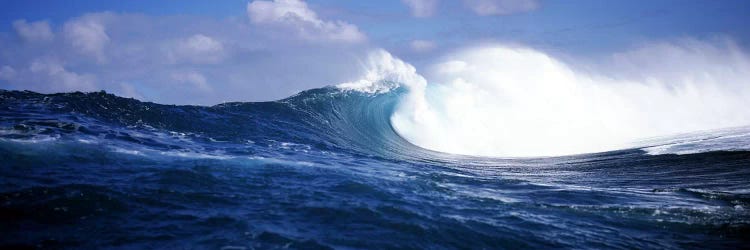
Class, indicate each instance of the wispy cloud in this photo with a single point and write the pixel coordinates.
(500, 7)
(38, 31)
(421, 8)
(296, 16)
(88, 35)
(64, 80)
(422, 45)
(198, 48)
(193, 80)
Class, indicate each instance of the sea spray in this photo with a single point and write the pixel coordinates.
(509, 101)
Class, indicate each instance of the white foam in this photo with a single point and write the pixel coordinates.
(195, 155)
(512, 101)
(383, 72)
(38, 139)
(733, 139)
(126, 151)
(283, 162)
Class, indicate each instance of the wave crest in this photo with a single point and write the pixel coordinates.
(519, 102)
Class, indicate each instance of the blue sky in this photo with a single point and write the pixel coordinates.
(597, 24)
(219, 49)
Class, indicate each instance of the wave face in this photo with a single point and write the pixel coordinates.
(328, 168)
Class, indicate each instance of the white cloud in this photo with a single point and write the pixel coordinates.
(199, 48)
(88, 35)
(138, 56)
(422, 45)
(38, 31)
(277, 10)
(194, 79)
(128, 90)
(421, 8)
(295, 15)
(7, 73)
(58, 79)
(500, 7)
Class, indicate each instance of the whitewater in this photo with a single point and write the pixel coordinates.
(494, 146)
(518, 102)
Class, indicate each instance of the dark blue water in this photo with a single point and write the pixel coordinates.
(324, 169)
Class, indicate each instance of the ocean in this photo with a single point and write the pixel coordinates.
(326, 169)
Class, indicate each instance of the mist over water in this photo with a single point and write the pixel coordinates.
(518, 102)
